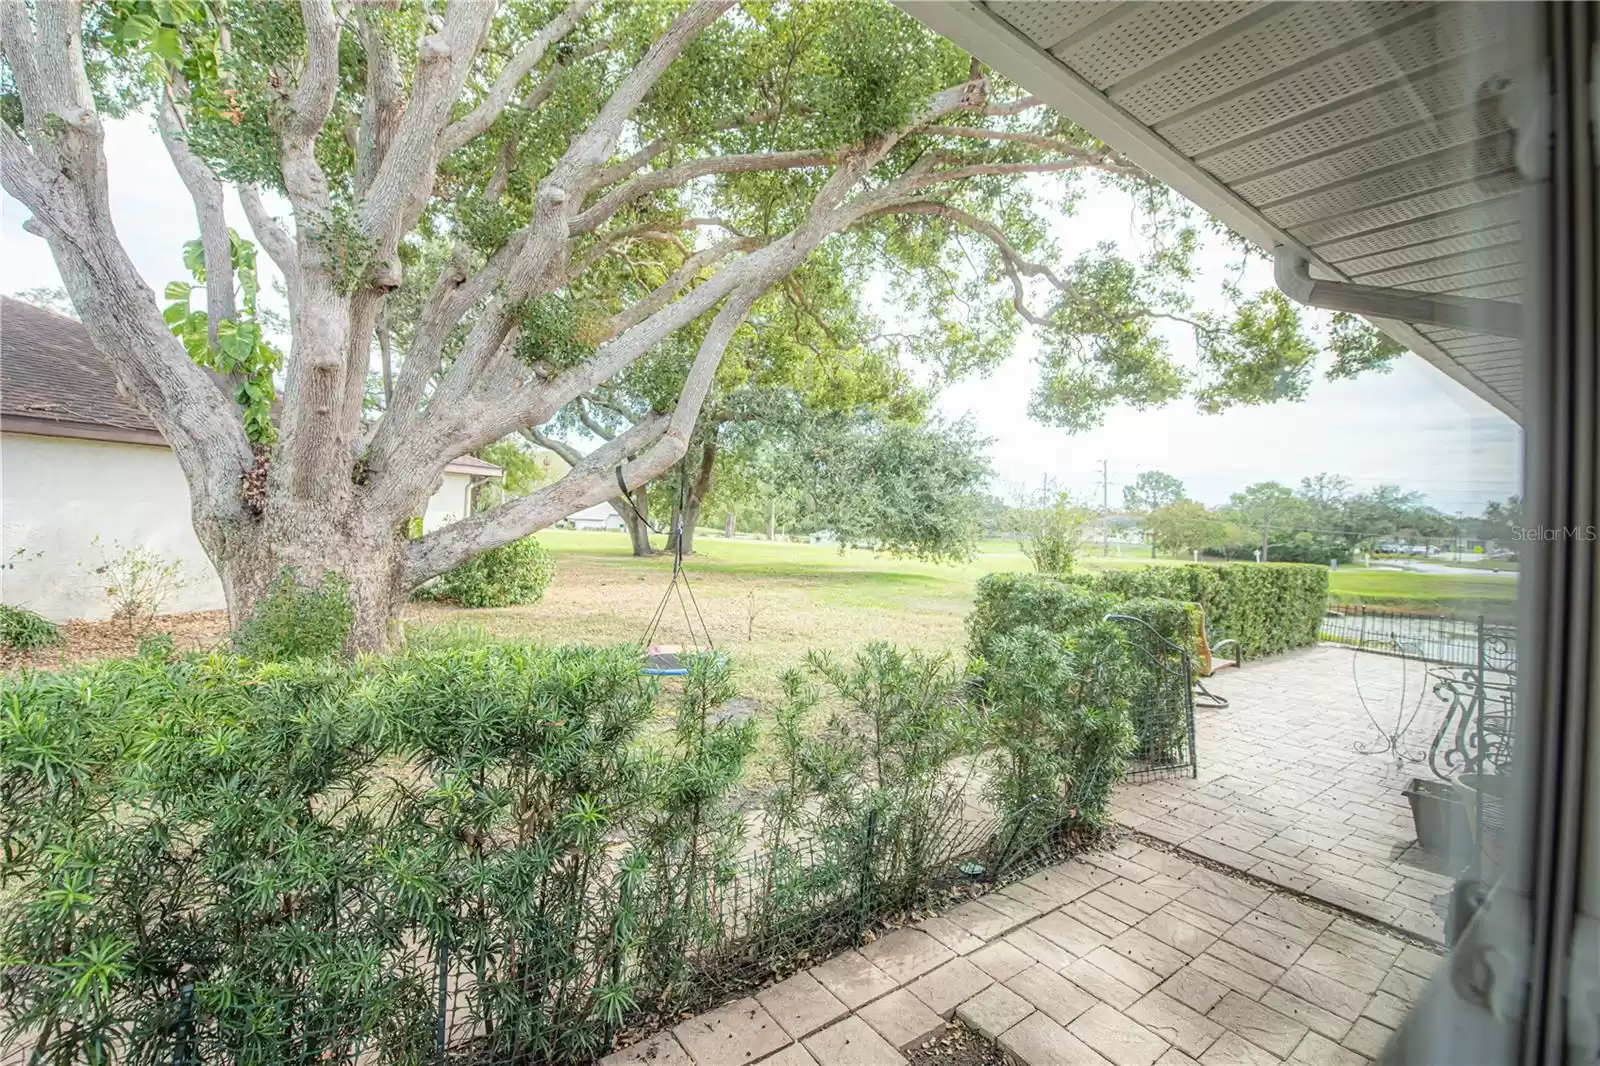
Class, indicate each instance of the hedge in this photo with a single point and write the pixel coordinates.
(292, 862)
(511, 575)
(1267, 607)
(1152, 683)
(1008, 601)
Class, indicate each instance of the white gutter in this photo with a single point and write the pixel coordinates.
(1292, 271)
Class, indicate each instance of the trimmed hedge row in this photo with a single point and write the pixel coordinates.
(1010, 606)
(215, 859)
(1267, 607)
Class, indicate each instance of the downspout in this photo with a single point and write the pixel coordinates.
(1292, 272)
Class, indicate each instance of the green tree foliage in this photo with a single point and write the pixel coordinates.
(651, 205)
(1151, 491)
(241, 350)
(1502, 521)
(1185, 526)
(1052, 531)
(904, 488)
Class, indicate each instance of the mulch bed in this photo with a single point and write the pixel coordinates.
(89, 641)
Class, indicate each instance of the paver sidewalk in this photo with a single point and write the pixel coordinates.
(1129, 957)
(1284, 793)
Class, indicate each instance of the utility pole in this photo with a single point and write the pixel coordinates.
(1105, 506)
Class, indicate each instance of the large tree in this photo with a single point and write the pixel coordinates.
(1152, 490)
(550, 146)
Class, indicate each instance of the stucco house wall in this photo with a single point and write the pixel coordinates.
(58, 493)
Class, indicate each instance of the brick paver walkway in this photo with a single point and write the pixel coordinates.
(1284, 794)
(1134, 957)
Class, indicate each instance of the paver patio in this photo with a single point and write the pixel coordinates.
(1284, 795)
(1129, 957)
(1141, 957)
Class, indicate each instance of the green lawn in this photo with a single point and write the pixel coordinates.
(769, 603)
(1394, 588)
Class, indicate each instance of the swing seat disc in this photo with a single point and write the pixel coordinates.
(665, 660)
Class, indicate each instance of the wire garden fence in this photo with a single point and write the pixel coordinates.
(1162, 702)
(479, 856)
(769, 914)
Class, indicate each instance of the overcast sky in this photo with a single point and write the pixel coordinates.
(1413, 427)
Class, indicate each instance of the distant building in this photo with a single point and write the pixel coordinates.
(78, 460)
(600, 516)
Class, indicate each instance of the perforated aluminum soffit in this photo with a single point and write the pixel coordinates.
(1372, 136)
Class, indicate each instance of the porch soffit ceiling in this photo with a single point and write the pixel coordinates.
(1370, 136)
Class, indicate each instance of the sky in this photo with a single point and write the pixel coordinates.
(1413, 427)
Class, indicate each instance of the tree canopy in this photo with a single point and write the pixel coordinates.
(534, 203)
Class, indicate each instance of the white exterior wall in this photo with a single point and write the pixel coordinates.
(58, 493)
(597, 516)
(453, 501)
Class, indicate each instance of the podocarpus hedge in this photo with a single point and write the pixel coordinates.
(319, 851)
(1153, 684)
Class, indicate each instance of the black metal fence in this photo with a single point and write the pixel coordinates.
(1460, 640)
(1163, 704)
(1472, 668)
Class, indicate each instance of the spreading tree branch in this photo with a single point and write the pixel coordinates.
(209, 208)
(272, 236)
(480, 118)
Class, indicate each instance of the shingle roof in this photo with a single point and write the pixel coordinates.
(50, 371)
(52, 377)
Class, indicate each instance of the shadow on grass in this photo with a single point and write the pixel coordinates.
(804, 572)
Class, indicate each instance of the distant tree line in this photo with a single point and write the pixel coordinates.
(1320, 520)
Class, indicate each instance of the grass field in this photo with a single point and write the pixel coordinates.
(768, 603)
(1394, 588)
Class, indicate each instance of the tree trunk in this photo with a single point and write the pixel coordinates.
(772, 520)
(638, 531)
(312, 541)
(728, 526)
(690, 516)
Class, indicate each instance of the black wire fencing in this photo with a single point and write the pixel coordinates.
(500, 854)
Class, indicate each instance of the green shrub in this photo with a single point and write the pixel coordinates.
(1158, 683)
(1057, 725)
(512, 574)
(25, 630)
(308, 840)
(1271, 607)
(316, 839)
(1006, 602)
(293, 621)
(1267, 607)
(879, 781)
(1052, 533)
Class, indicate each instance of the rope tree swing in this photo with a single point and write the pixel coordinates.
(667, 660)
